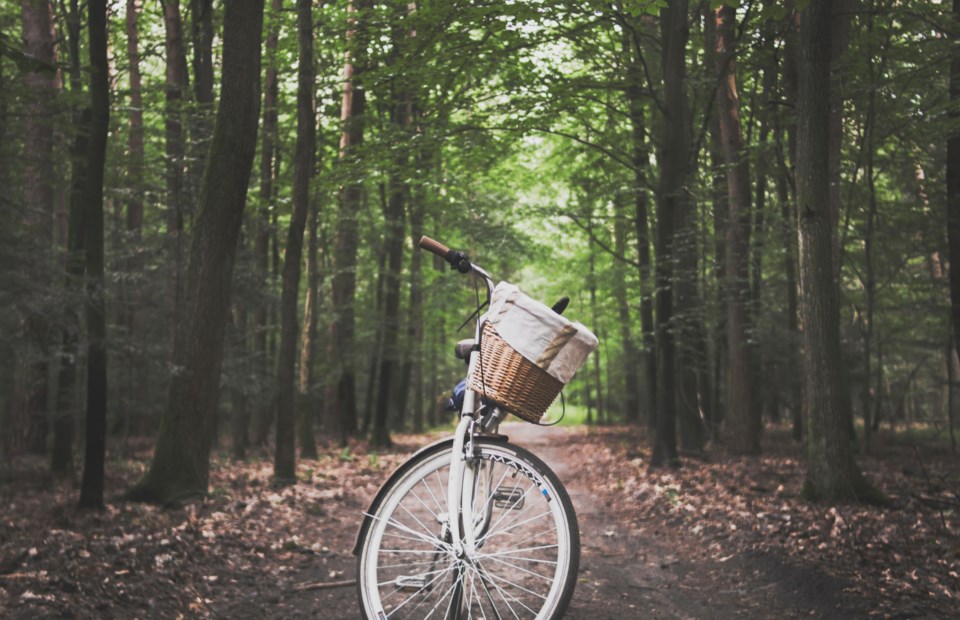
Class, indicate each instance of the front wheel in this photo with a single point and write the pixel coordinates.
(527, 541)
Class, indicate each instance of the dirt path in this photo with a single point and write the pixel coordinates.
(630, 569)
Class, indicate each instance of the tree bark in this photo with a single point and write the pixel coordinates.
(674, 173)
(42, 82)
(181, 461)
(743, 419)
(953, 186)
(201, 36)
(308, 346)
(831, 472)
(639, 159)
(91, 488)
(341, 396)
(66, 399)
(285, 456)
(266, 408)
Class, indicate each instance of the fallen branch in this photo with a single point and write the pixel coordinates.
(323, 585)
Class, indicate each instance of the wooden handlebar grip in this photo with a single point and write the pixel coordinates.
(436, 247)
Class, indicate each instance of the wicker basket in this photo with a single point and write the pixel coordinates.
(511, 380)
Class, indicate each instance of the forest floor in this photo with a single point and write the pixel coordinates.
(723, 537)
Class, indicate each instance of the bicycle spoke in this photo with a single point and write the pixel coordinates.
(522, 570)
(503, 595)
(512, 527)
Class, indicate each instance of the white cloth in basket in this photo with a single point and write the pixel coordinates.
(536, 332)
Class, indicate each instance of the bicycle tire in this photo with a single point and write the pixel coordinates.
(417, 492)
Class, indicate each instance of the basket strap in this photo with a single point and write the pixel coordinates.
(559, 341)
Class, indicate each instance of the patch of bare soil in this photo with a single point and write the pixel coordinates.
(722, 538)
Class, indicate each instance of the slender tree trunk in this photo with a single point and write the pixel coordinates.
(788, 212)
(416, 335)
(631, 386)
(641, 162)
(396, 206)
(91, 488)
(133, 314)
(308, 337)
(869, 241)
(675, 158)
(263, 417)
(601, 410)
(831, 472)
(285, 461)
(742, 416)
(66, 403)
(718, 200)
(181, 462)
(341, 398)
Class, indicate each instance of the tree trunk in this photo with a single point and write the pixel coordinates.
(285, 461)
(91, 488)
(598, 383)
(718, 200)
(674, 172)
(66, 403)
(788, 212)
(308, 336)
(640, 161)
(42, 83)
(743, 419)
(631, 386)
(263, 417)
(181, 461)
(831, 472)
(341, 397)
(953, 187)
(396, 206)
(201, 35)
(176, 86)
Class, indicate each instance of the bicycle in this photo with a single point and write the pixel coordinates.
(472, 526)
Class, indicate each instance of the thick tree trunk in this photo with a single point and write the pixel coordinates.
(176, 86)
(285, 458)
(181, 461)
(831, 472)
(675, 158)
(42, 82)
(953, 188)
(91, 488)
(266, 407)
(744, 420)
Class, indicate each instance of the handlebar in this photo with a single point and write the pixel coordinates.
(457, 259)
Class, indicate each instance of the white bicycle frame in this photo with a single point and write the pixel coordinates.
(459, 502)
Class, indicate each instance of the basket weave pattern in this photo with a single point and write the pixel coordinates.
(511, 380)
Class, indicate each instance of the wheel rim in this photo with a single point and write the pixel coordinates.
(408, 567)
